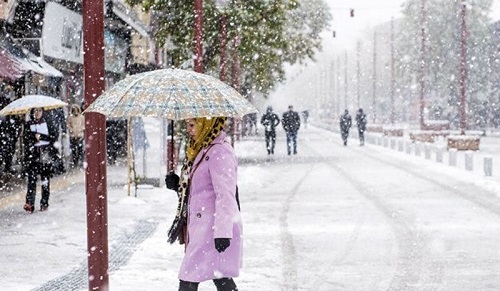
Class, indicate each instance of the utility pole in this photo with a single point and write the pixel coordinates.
(374, 104)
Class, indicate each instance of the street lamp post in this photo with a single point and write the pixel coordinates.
(422, 68)
(358, 71)
(198, 36)
(463, 73)
(222, 5)
(393, 113)
(374, 83)
(235, 81)
(95, 147)
(345, 80)
(337, 78)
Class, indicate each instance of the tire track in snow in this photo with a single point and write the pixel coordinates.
(289, 253)
(349, 247)
(410, 242)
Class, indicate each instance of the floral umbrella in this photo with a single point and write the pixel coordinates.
(173, 94)
(24, 104)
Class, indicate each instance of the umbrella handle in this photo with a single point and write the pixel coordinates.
(173, 146)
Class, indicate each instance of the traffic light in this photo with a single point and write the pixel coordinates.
(334, 34)
(352, 12)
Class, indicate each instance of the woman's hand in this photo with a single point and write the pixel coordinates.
(221, 244)
(172, 181)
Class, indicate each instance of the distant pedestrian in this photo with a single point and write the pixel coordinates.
(57, 121)
(252, 123)
(361, 122)
(208, 220)
(7, 144)
(305, 117)
(270, 120)
(116, 138)
(38, 138)
(76, 128)
(291, 124)
(9, 133)
(345, 125)
(139, 134)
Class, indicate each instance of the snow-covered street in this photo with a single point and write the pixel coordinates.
(329, 218)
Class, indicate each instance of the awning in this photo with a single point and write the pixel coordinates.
(20, 61)
(10, 69)
(129, 17)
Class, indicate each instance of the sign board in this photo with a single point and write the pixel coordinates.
(62, 33)
(7, 9)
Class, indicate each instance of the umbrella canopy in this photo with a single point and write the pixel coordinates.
(24, 104)
(173, 94)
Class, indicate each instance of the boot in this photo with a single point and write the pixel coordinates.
(225, 284)
(188, 286)
(29, 207)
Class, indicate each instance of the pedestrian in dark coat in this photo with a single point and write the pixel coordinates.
(38, 139)
(56, 119)
(291, 125)
(208, 220)
(9, 133)
(270, 120)
(361, 122)
(345, 125)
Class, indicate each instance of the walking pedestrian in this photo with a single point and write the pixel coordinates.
(9, 133)
(38, 138)
(345, 125)
(139, 134)
(76, 128)
(208, 221)
(361, 122)
(56, 119)
(270, 120)
(305, 116)
(252, 123)
(291, 124)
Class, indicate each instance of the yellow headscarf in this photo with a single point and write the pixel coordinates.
(208, 129)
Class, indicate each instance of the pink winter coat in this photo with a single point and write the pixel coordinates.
(213, 213)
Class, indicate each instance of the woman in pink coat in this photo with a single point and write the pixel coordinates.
(208, 220)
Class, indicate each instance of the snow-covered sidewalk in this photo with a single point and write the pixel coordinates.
(294, 208)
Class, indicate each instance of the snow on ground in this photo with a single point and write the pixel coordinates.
(330, 218)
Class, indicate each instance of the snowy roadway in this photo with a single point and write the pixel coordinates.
(330, 218)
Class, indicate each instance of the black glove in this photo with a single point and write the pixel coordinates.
(172, 181)
(221, 244)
